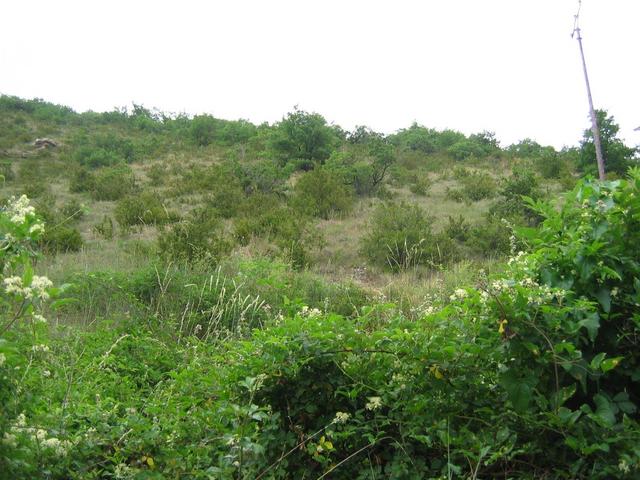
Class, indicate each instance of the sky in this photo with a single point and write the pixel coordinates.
(506, 66)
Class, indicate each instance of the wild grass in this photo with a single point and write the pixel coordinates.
(162, 163)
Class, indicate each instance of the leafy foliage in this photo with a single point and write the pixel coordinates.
(304, 137)
(145, 208)
(617, 156)
(112, 183)
(320, 193)
(198, 238)
(475, 186)
(401, 237)
(479, 385)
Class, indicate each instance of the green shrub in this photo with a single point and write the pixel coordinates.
(522, 183)
(61, 239)
(293, 234)
(105, 228)
(226, 198)
(460, 173)
(464, 150)
(455, 194)
(103, 150)
(35, 188)
(145, 208)
(82, 180)
(458, 228)
(420, 185)
(303, 138)
(73, 210)
(320, 193)
(236, 132)
(203, 130)
(92, 157)
(363, 175)
(113, 183)
(479, 186)
(549, 164)
(157, 173)
(218, 181)
(476, 186)
(417, 138)
(263, 176)
(400, 237)
(491, 238)
(199, 238)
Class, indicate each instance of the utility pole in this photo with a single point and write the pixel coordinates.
(594, 120)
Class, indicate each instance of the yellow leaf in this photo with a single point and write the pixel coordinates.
(435, 371)
(150, 462)
(501, 328)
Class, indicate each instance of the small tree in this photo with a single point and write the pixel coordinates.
(203, 130)
(304, 136)
(617, 156)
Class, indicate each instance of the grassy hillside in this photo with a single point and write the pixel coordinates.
(203, 298)
(123, 179)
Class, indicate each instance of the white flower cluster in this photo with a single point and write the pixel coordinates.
(38, 435)
(9, 439)
(528, 282)
(601, 205)
(374, 403)
(19, 209)
(459, 294)
(400, 380)
(341, 417)
(425, 308)
(3, 359)
(546, 294)
(500, 285)
(517, 258)
(37, 289)
(310, 312)
(36, 229)
(40, 348)
(123, 471)
(60, 447)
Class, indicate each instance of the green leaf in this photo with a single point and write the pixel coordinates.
(591, 322)
(604, 298)
(518, 388)
(567, 416)
(560, 397)
(604, 410)
(610, 363)
(624, 404)
(554, 279)
(597, 360)
(27, 276)
(586, 268)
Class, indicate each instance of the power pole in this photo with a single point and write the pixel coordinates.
(594, 120)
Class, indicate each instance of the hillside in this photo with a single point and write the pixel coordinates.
(121, 179)
(204, 298)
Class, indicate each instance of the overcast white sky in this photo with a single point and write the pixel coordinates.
(509, 66)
